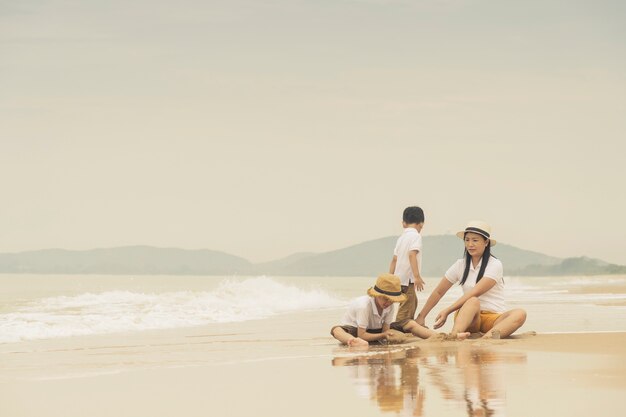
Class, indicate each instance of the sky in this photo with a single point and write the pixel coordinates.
(265, 128)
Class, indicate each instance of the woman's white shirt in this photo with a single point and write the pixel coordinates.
(492, 300)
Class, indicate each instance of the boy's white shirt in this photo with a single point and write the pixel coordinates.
(409, 240)
(492, 300)
(362, 312)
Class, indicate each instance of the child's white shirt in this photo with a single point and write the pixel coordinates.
(362, 312)
(409, 240)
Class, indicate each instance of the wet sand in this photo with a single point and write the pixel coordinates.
(209, 371)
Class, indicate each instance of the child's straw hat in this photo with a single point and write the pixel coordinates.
(388, 285)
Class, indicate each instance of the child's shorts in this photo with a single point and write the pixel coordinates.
(353, 331)
(485, 322)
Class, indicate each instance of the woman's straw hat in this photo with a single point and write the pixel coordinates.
(480, 227)
(388, 285)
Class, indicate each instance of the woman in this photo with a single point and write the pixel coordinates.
(482, 307)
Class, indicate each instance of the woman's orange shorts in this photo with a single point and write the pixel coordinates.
(485, 321)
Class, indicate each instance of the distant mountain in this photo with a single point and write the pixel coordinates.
(574, 266)
(373, 257)
(124, 260)
(357, 260)
(364, 259)
(278, 267)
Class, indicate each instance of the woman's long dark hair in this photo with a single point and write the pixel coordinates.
(483, 265)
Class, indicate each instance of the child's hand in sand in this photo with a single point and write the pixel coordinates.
(394, 337)
(441, 319)
(389, 334)
(357, 341)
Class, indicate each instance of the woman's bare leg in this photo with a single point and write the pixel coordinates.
(468, 314)
(507, 324)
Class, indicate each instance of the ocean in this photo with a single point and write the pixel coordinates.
(34, 307)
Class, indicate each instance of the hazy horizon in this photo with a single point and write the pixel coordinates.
(262, 129)
(287, 255)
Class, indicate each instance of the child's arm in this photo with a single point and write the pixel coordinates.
(371, 337)
(392, 266)
(419, 282)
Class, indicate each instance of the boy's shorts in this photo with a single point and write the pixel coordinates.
(485, 321)
(353, 331)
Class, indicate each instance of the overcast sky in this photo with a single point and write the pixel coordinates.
(264, 128)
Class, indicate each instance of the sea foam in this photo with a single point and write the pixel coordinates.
(124, 311)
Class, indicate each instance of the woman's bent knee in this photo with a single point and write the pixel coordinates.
(520, 316)
(473, 303)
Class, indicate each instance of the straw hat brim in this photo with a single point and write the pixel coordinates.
(394, 298)
(461, 234)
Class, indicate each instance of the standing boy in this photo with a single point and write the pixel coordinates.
(407, 260)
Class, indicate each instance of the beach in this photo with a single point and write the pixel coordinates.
(155, 346)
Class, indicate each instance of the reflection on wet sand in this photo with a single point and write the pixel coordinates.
(468, 379)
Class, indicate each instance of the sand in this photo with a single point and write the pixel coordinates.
(207, 371)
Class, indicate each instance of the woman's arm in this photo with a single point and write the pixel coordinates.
(442, 288)
(479, 289)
